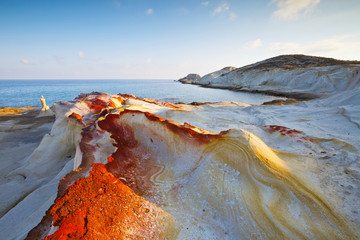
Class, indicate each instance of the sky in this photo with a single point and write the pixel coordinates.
(167, 39)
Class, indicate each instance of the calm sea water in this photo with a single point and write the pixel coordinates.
(20, 93)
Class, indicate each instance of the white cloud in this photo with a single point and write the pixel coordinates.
(335, 45)
(205, 3)
(149, 11)
(292, 9)
(221, 8)
(252, 45)
(25, 61)
(224, 10)
(81, 54)
(339, 43)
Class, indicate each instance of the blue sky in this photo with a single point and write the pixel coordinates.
(133, 39)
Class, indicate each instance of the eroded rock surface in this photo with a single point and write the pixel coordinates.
(295, 76)
(138, 174)
(141, 168)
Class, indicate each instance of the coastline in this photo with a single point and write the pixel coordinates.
(297, 162)
(299, 77)
(292, 95)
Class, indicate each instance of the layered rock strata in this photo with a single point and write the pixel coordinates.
(295, 76)
(137, 174)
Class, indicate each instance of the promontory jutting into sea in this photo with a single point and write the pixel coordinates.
(265, 151)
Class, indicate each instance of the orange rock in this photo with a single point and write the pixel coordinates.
(76, 116)
(102, 207)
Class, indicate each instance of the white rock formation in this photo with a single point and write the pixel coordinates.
(293, 75)
(45, 109)
(217, 74)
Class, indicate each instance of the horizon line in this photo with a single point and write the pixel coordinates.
(26, 79)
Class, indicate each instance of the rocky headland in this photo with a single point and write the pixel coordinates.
(191, 77)
(293, 76)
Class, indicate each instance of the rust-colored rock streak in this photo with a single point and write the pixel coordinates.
(284, 131)
(135, 163)
(102, 207)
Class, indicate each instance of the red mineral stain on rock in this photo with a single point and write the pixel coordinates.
(185, 131)
(128, 160)
(123, 165)
(113, 101)
(131, 96)
(102, 207)
(284, 131)
(120, 132)
(123, 162)
(96, 105)
(160, 103)
(77, 118)
(88, 149)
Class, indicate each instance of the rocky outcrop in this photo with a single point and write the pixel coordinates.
(139, 175)
(297, 76)
(192, 77)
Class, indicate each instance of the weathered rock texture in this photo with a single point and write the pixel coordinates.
(152, 177)
(296, 76)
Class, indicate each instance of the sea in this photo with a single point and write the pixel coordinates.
(21, 93)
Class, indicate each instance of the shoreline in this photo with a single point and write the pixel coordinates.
(294, 95)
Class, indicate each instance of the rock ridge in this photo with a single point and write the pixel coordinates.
(296, 76)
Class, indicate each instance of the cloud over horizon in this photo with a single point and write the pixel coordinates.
(292, 9)
(324, 47)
